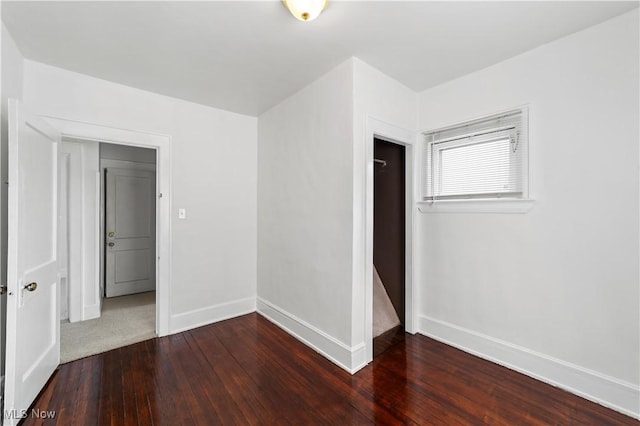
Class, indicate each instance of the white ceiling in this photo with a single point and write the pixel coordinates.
(247, 56)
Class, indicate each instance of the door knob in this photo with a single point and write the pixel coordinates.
(111, 244)
(31, 286)
(111, 234)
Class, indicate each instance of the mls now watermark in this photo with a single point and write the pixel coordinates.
(35, 413)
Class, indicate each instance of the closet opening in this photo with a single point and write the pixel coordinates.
(389, 245)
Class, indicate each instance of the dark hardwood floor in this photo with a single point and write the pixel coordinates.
(248, 371)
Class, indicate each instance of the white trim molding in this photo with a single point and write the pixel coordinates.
(210, 314)
(348, 358)
(91, 311)
(493, 205)
(592, 385)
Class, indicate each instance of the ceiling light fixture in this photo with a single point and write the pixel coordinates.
(306, 10)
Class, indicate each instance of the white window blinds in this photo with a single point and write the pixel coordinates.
(480, 159)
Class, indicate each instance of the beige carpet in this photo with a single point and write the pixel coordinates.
(384, 314)
(125, 320)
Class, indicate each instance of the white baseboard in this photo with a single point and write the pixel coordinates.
(608, 391)
(348, 358)
(210, 314)
(91, 312)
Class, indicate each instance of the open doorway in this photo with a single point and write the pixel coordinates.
(389, 203)
(108, 245)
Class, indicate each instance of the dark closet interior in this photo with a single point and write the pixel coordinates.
(389, 221)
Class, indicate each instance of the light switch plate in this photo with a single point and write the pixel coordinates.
(182, 213)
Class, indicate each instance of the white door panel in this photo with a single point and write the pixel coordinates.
(33, 328)
(133, 198)
(132, 265)
(130, 231)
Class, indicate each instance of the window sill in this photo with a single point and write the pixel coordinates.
(493, 205)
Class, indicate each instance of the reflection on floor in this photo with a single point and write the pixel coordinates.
(124, 320)
(387, 340)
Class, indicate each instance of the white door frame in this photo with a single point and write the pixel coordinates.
(407, 138)
(162, 145)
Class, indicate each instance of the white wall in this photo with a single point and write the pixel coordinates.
(558, 287)
(213, 160)
(305, 157)
(12, 66)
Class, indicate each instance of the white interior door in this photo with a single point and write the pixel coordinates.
(33, 327)
(130, 231)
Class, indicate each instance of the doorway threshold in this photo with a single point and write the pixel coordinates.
(125, 320)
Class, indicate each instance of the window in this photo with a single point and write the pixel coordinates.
(481, 159)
